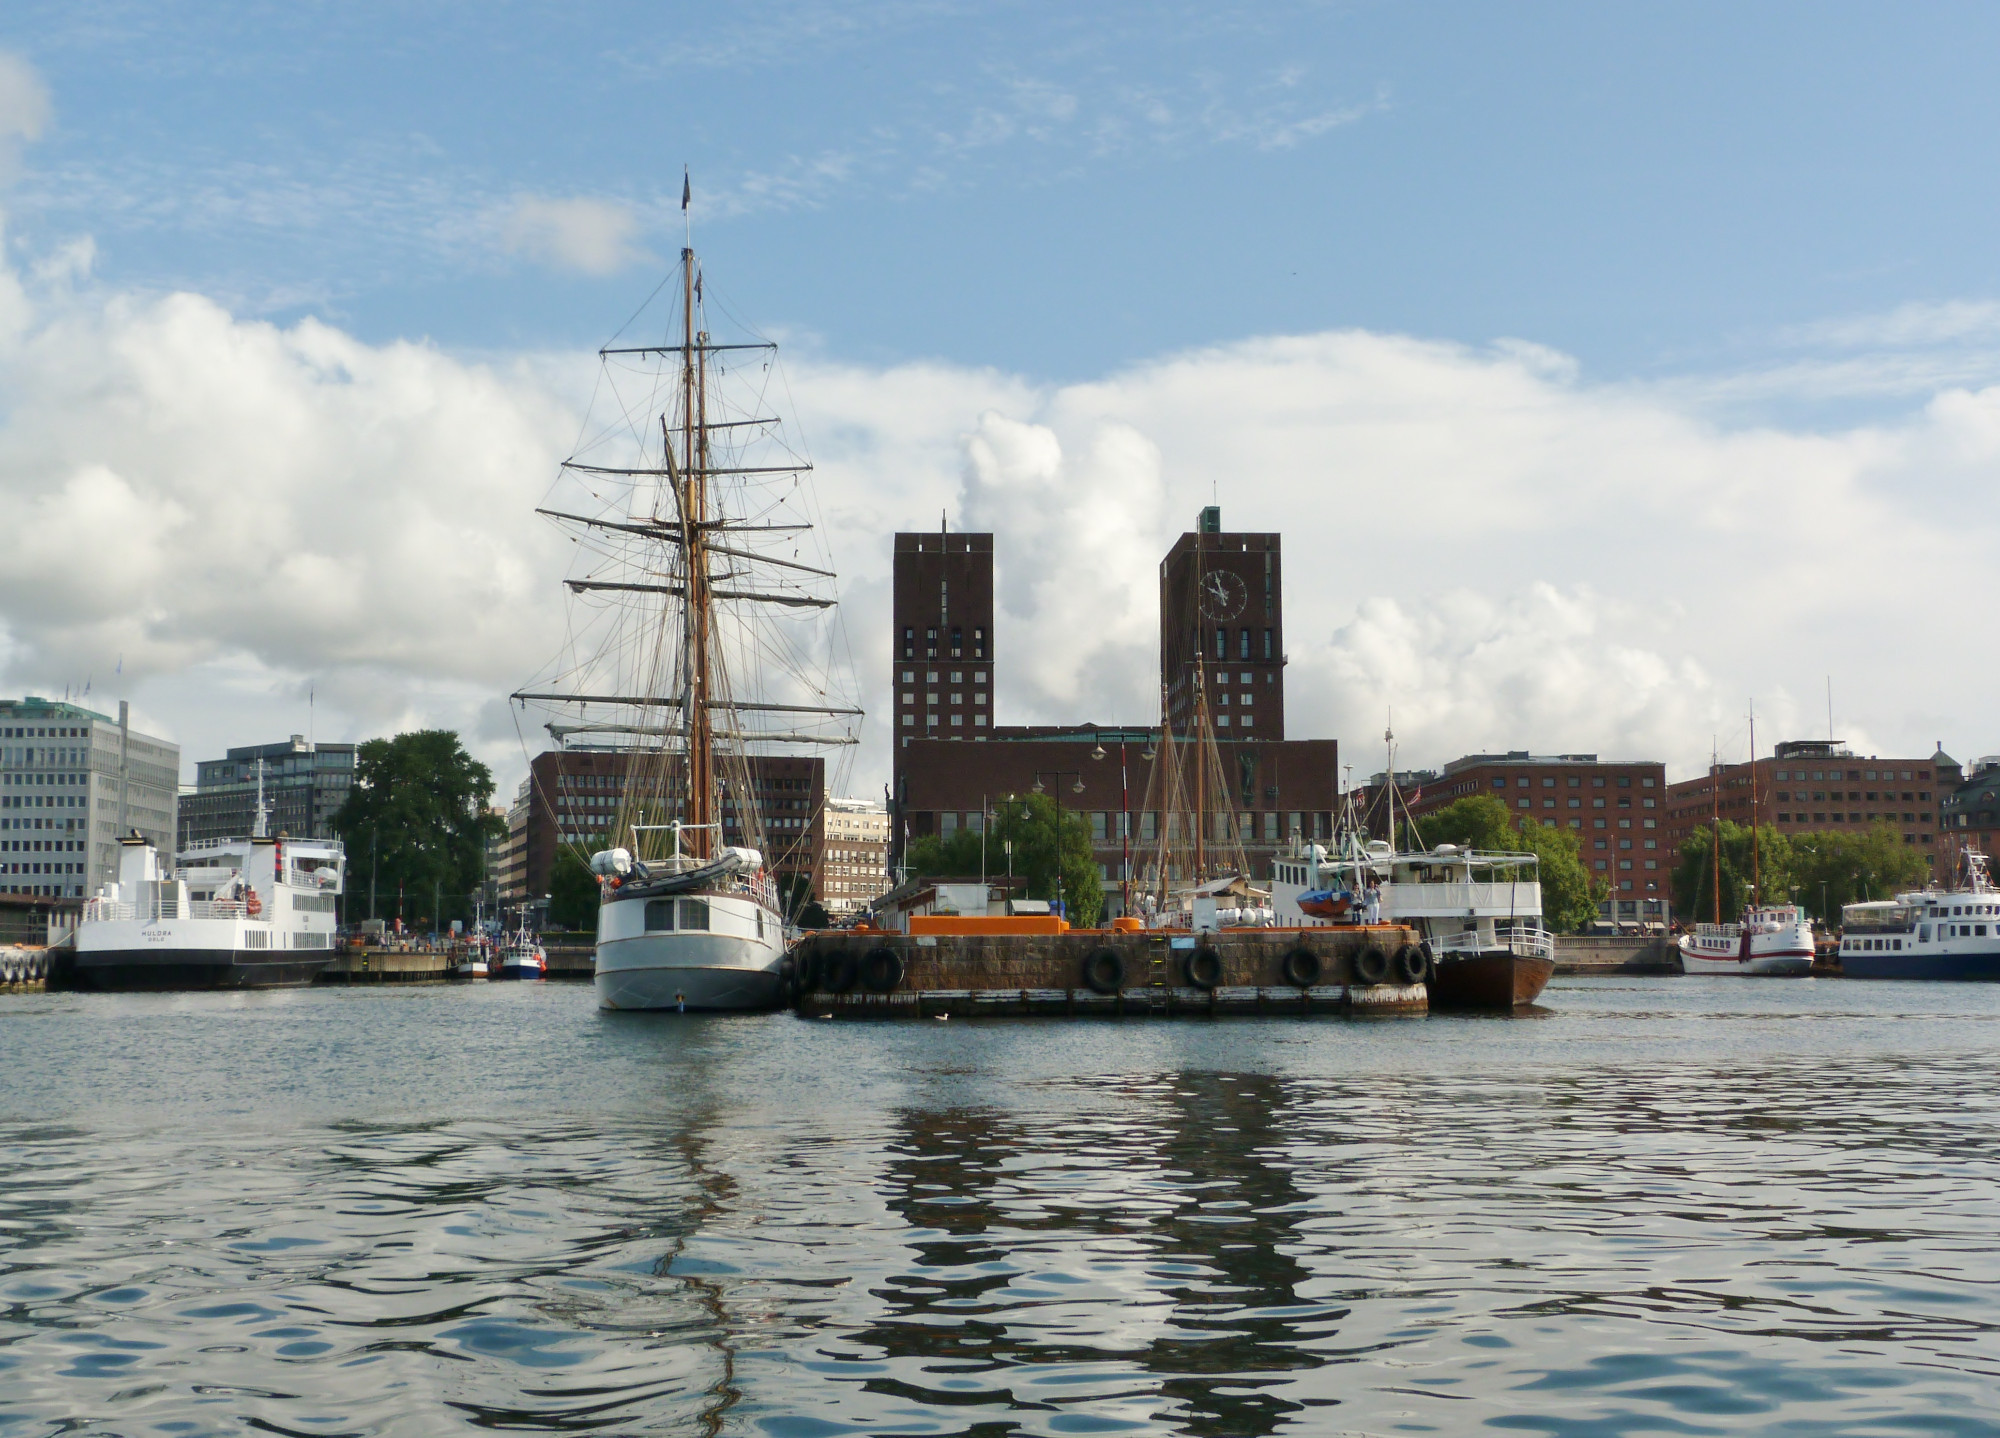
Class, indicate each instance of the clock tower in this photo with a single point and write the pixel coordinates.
(1222, 617)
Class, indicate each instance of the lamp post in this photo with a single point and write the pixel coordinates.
(1076, 788)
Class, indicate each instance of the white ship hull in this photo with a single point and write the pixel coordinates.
(729, 965)
(1786, 952)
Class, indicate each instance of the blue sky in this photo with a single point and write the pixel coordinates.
(1661, 344)
(1054, 190)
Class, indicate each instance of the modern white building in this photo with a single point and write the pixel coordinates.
(855, 867)
(71, 782)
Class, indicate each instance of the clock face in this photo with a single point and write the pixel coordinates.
(1223, 594)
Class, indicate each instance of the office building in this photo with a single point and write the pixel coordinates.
(855, 863)
(71, 782)
(573, 798)
(303, 786)
(1808, 785)
(1617, 807)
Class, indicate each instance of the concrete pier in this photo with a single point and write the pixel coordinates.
(1608, 954)
(387, 966)
(1097, 972)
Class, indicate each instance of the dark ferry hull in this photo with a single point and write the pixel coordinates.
(1495, 979)
(195, 969)
(1972, 968)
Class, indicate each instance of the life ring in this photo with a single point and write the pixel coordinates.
(1413, 965)
(1204, 969)
(1371, 965)
(1104, 971)
(882, 969)
(839, 972)
(1302, 968)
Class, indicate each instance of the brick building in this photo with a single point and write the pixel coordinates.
(1222, 616)
(1617, 806)
(1808, 785)
(953, 763)
(573, 797)
(942, 612)
(1280, 788)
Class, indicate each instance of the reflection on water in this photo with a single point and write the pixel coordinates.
(1777, 1216)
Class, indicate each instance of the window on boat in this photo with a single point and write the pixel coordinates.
(694, 913)
(659, 916)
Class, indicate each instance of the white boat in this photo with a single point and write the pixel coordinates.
(473, 961)
(243, 913)
(677, 522)
(1770, 941)
(1479, 911)
(1933, 933)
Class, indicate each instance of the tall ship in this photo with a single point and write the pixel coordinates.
(1767, 940)
(1935, 933)
(237, 913)
(705, 636)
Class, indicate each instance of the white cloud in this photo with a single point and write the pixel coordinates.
(594, 237)
(1501, 553)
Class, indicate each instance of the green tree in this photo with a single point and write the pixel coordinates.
(1768, 856)
(416, 821)
(1056, 863)
(573, 892)
(1570, 894)
(1831, 868)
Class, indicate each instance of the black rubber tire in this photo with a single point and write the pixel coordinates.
(1413, 966)
(1371, 965)
(1204, 969)
(838, 972)
(882, 970)
(1302, 968)
(1104, 971)
(810, 961)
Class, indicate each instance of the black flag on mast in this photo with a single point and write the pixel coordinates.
(686, 194)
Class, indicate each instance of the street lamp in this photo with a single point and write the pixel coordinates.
(1076, 788)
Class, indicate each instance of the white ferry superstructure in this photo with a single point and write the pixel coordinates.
(244, 913)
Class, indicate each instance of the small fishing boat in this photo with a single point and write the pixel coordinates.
(522, 955)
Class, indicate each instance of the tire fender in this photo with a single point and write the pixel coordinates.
(1204, 969)
(1104, 972)
(1302, 968)
(1371, 965)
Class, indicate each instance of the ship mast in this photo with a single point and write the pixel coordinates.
(693, 503)
(1715, 832)
(1756, 878)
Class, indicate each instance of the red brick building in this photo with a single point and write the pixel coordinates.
(573, 797)
(1617, 806)
(1278, 788)
(1809, 785)
(1222, 618)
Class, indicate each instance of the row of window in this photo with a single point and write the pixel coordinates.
(956, 697)
(1800, 776)
(931, 721)
(1857, 796)
(931, 676)
(1627, 864)
(1577, 803)
(30, 732)
(30, 867)
(1271, 826)
(956, 649)
(1244, 645)
(1576, 782)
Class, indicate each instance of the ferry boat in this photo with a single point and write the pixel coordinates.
(707, 643)
(1927, 934)
(244, 913)
(1770, 941)
(1480, 911)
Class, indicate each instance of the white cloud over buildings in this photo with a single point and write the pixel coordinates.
(1479, 541)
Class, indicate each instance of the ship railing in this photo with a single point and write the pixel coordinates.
(98, 911)
(1525, 939)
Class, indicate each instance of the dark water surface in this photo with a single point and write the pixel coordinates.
(1676, 1206)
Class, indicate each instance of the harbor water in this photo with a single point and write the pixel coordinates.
(1675, 1206)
